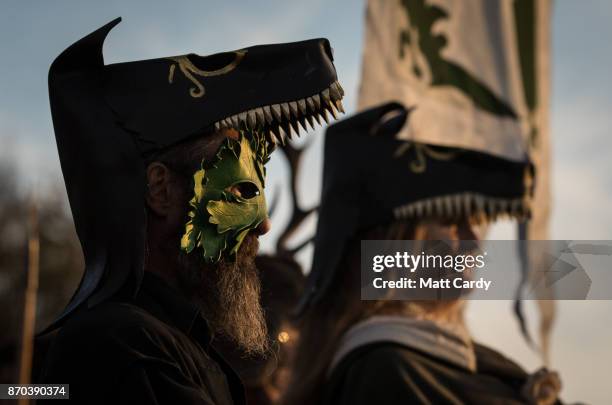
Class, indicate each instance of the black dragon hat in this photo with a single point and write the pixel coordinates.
(371, 178)
(108, 118)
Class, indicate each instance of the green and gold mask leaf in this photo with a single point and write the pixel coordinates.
(228, 199)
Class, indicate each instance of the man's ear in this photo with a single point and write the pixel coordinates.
(159, 194)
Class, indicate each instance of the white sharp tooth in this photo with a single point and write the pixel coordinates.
(302, 105)
(223, 123)
(268, 114)
(479, 203)
(282, 134)
(309, 120)
(272, 137)
(323, 113)
(276, 110)
(429, 207)
(311, 104)
(302, 123)
(243, 117)
(398, 212)
(448, 203)
(274, 130)
(259, 112)
(325, 96)
(459, 210)
(339, 106)
(286, 111)
(340, 89)
(491, 207)
(422, 208)
(332, 110)
(334, 92)
(293, 124)
(418, 209)
(410, 210)
(252, 119)
(217, 126)
(467, 200)
(317, 118)
(235, 122)
(438, 202)
(317, 101)
(294, 108)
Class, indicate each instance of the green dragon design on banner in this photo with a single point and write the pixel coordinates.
(444, 72)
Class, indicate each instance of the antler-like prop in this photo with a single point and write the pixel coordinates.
(298, 215)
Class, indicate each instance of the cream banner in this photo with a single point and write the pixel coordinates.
(477, 74)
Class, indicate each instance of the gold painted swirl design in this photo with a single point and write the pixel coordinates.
(422, 151)
(190, 71)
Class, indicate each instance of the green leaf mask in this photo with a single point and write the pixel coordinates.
(228, 199)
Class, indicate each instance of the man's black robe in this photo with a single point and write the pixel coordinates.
(154, 349)
(390, 373)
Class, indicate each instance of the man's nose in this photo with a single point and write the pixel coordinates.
(264, 227)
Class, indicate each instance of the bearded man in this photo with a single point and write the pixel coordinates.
(163, 162)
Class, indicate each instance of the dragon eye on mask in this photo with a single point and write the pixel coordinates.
(228, 199)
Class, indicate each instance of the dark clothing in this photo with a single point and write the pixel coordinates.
(152, 350)
(389, 373)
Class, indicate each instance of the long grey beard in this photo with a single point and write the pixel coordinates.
(229, 296)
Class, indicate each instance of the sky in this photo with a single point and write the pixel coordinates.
(33, 33)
